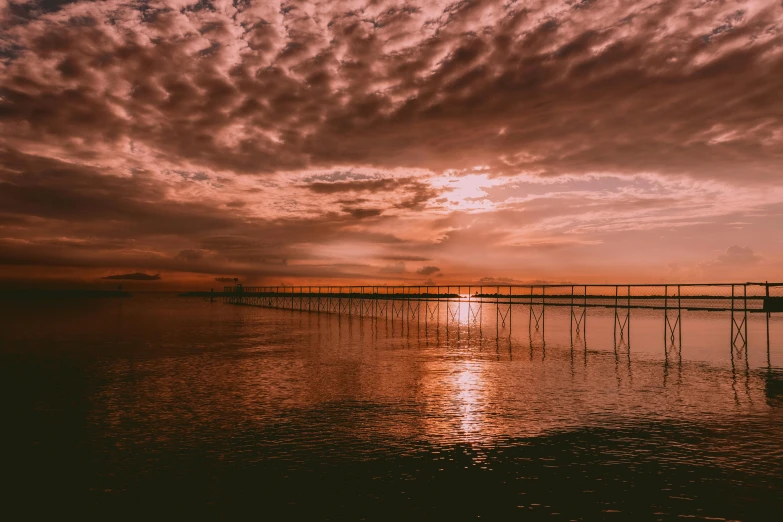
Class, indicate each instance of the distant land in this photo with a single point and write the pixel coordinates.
(60, 294)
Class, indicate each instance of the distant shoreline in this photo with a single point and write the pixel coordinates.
(61, 294)
(204, 294)
(354, 295)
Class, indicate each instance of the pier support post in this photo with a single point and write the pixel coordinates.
(739, 320)
(766, 294)
(535, 318)
(503, 313)
(622, 319)
(578, 314)
(672, 321)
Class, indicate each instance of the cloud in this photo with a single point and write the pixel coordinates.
(495, 137)
(225, 279)
(405, 193)
(427, 270)
(738, 256)
(373, 185)
(190, 254)
(363, 213)
(404, 258)
(536, 87)
(136, 276)
(497, 280)
(737, 263)
(394, 268)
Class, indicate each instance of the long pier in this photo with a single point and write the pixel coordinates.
(417, 303)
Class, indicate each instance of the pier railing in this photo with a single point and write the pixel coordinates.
(424, 302)
(738, 297)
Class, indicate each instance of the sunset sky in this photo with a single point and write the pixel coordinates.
(390, 142)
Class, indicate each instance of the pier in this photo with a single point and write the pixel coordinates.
(470, 303)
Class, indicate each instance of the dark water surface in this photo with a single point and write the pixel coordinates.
(163, 408)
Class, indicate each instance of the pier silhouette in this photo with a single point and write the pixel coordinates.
(470, 303)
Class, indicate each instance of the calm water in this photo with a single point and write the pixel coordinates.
(162, 408)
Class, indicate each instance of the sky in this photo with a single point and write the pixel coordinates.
(180, 144)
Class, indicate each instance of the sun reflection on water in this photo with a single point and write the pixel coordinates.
(469, 392)
(465, 310)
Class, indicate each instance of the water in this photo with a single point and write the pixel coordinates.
(163, 407)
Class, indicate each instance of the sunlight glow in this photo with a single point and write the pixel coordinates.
(467, 192)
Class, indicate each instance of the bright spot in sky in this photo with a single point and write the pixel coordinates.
(467, 192)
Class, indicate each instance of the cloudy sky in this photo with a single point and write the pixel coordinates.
(390, 141)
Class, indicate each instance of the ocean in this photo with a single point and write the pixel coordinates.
(164, 407)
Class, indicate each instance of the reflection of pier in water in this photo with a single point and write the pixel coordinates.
(454, 305)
